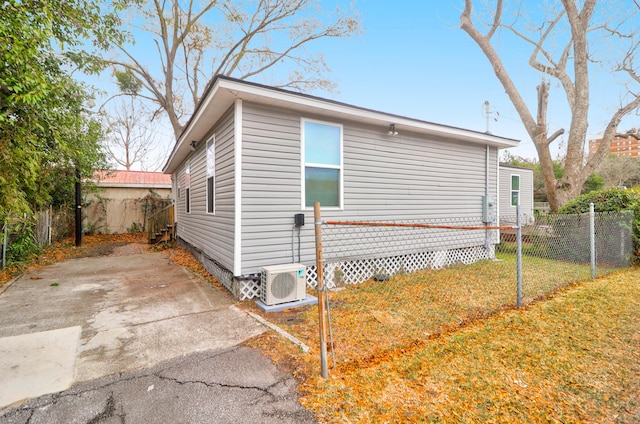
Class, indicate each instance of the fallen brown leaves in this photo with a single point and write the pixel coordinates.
(92, 245)
(184, 258)
(573, 358)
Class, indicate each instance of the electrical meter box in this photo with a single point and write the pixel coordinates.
(489, 209)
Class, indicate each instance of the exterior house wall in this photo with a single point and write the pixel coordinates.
(427, 171)
(507, 212)
(212, 234)
(385, 178)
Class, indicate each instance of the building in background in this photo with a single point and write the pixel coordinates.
(125, 200)
(624, 144)
(515, 189)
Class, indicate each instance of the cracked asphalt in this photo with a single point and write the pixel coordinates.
(133, 338)
(206, 387)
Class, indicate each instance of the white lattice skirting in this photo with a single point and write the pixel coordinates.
(355, 271)
(345, 272)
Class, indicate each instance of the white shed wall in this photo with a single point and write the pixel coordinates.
(506, 211)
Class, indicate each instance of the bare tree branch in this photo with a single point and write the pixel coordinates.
(484, 42)
(129, 139)
(192, 34)
(578, 27)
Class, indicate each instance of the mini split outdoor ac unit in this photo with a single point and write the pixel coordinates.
(283, 283)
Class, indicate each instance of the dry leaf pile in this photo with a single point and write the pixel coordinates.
(574, 358)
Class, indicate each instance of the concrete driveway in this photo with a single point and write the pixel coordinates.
(88, 318)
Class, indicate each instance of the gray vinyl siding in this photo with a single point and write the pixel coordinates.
(506, 211)
(270, 186)
(213, 234)
(385, 178)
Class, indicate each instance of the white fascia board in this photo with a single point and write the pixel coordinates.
(225, 91)
(265, 95)
(182, 148)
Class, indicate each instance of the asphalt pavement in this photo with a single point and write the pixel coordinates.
(235, 385)
(133, 338)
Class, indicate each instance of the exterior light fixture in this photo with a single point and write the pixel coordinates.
(194, 144)
(392, 129)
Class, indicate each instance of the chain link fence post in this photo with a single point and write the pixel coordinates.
(322, 293)
(5, 232)
(518, 257)
(592, 239)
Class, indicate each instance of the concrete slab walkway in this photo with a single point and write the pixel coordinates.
(88, 318)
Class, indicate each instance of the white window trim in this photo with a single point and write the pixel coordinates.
(211, 140)
(303, 200)
(512, 190)
(187, 186)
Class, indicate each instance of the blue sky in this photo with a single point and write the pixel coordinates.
(412, 59)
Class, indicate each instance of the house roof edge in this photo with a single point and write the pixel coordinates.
(225, 90)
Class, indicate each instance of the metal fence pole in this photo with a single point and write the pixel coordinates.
(592, 239)
(5, 230)
(78, 214)
(49, 220)
(518, 257)
(322, 294)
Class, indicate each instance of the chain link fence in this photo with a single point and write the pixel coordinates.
(394, 285)
(25, 235)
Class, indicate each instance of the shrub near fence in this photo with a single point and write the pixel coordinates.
(23, 236)
(394, 285)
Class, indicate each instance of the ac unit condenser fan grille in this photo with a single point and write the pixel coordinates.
(283, 285)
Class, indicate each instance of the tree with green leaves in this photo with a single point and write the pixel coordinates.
(197, 40)
(45, 130)
(594, 182)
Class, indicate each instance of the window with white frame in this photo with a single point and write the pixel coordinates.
(322, 164)
(515, 190)
(211, 175)
(187, 187)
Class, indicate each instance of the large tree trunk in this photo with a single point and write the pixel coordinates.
(570, 69)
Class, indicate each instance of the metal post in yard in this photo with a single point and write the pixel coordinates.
(49, 225)
(78, 209)
(592, 239)
(518, 257)
(5, 230)
(322, 294)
